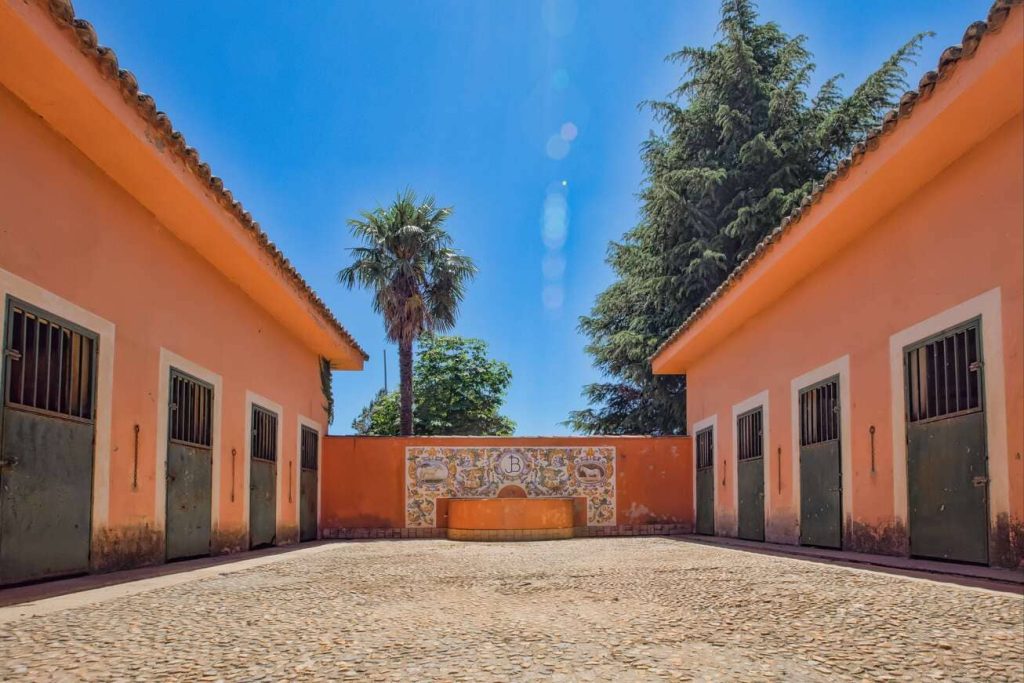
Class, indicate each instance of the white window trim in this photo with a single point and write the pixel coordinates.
(712, 422)
(757, 400)
(304, 421)
(30, 293)
(169, 360)
(841, 367)
(987, 306)
(251, 399)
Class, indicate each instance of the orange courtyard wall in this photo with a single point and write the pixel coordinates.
(363, 481)
(71, 240)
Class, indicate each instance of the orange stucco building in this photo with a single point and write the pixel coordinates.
(859, 381)
(162, 358)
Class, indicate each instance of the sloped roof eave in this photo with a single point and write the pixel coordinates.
(63, 15)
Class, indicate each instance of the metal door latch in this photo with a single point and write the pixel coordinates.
(13, 354)
(979, 481)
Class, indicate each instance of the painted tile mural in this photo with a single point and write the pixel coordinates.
(481, 472)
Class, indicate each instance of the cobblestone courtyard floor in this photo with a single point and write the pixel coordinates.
(588, 609)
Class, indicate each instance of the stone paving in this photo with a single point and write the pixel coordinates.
(616, 609)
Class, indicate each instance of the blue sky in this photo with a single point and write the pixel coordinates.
(510, 111)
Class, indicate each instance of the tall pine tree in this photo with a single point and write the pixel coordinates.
(740, 144)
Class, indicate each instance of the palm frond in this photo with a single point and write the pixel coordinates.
(406, 259)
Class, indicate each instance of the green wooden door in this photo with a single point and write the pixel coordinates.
(947, 462)
(47, 444)
(189, 467)
(821, 480)
(705, 461)
(308, 483)
(750, 474)
(263, 479)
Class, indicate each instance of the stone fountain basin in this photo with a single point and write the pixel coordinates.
(510, 519)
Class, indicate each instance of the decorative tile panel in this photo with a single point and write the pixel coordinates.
(433, 472)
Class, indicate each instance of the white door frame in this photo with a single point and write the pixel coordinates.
(712, 422)
(758, 400)
(304, 421)
(988, 307)
(169, 360)
(251, 399)
(841, 367)
(31, 293)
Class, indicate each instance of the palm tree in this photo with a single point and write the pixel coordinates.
(417, 279)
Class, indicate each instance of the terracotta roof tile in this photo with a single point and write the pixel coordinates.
(63, 14)
(948, 61)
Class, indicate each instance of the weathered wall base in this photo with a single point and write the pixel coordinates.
(1006, 542)
(890, 537)
(509, 535)
(885, 538)
(232, 540)
(287, 535)
(782, 528)
(726, 523)
(126, 547)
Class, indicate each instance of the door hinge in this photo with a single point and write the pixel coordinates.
(13, 354)
(979, 481)
(975, 366)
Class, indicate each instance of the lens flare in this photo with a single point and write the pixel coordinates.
(553, 266)
(553, 297)
(557, 148)
(555, 225)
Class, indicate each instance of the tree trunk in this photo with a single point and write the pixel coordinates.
(405, 375)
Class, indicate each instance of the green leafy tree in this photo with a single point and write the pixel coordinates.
(417, 279)
(380, 417)
(740, 144)
(458, 391)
